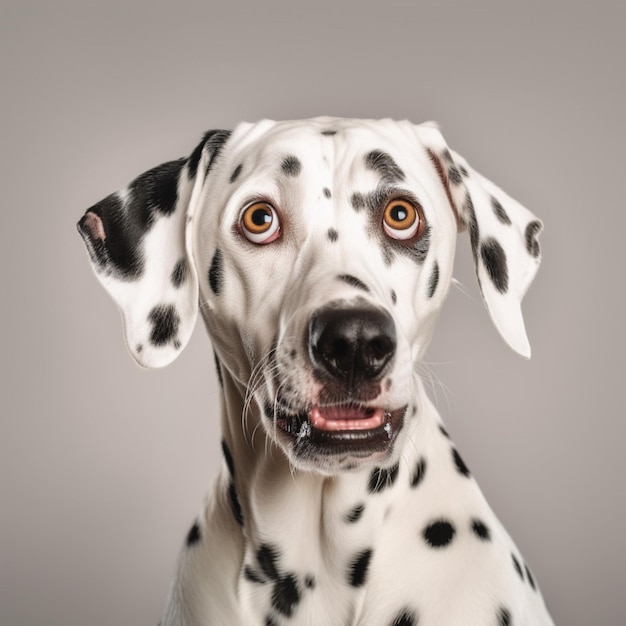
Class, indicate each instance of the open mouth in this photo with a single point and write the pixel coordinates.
(342, 429)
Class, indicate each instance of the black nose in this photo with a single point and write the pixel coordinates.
(351, 344)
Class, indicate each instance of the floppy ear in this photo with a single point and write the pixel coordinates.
(503, 236)
(136, 239)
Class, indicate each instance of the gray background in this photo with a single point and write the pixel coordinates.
(103, 465)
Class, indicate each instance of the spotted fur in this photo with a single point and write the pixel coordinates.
(307, 523)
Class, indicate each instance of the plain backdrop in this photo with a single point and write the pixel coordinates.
(104, 465)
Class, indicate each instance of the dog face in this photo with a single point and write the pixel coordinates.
(320, 252)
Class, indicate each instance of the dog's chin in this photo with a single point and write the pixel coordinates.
(339, 438)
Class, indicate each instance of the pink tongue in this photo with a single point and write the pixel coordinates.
(345, 418)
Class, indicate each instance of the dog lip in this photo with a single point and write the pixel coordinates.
(343, 418)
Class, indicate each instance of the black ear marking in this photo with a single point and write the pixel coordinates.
(532, 245)
(165, 323)
(214, 141)
(499, 211)
(179, 273)
(194, 535)
(114, 228)
(494, 259)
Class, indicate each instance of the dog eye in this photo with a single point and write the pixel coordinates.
(259, 223)
(401, 219)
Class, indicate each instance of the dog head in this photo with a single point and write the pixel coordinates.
(319, 253)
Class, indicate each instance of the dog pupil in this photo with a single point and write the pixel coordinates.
(261, 217)
(399, 213)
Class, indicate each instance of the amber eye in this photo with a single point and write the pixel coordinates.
(401, 219)
(259, 223)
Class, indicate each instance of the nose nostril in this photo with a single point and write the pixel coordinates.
(380, 347)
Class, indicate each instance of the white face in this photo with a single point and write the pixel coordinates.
(324, 250)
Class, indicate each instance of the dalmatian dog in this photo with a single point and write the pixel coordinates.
(319, 253)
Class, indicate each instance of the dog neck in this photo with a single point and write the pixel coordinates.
(271, 500)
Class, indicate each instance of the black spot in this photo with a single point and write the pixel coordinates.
(269, 621)
(494, 259)
(329, 133)
(358, 568)
(504, 617)
(139, 348)
(472, 222)
(327, 193)
(218, 370)
(235, 175)
(234, 503)
(405, 618)
(418, 474)
(354, 515)
(228, 457)
(459, 463)
(447, 155)
(480, 530)
(463, 171)
(267, 556)
(383, 164)
(394, 297)
(434, 280)
(444, 432)
(213, 141)
(498, 209)
(354, 281)
(531, 580)
(439, 534)
(332, 235)
(252, 576)
(215, 272)
(517, 566)
(291, 166)
(165, 322)
(309, 582)
(357, 200)
(286, 595)
(532, 245)
(194, 535)
(454, 176)
(382, 478)
(179, 273)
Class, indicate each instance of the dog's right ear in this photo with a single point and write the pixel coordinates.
(137, 243)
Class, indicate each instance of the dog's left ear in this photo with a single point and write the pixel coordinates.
(137, 243)
(503, 236)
